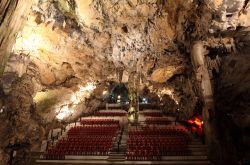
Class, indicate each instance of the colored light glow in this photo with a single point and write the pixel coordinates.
(197, 121)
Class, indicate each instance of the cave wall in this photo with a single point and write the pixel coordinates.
(22, 128)
(232, 85)
(12, 17)
(226, 120)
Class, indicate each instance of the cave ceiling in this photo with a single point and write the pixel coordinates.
(69, 45)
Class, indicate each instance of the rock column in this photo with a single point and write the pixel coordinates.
(133, 112)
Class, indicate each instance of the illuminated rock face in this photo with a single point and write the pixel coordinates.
(230, 14)
(68, 45)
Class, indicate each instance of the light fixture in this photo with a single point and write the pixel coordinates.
(144, 100)
(118, 96)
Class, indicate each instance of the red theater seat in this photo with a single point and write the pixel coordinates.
(85, 140)
(152, 143)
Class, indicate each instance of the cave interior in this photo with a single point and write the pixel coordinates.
(64, 61)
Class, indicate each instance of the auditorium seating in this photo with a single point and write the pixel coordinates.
(105, 113)
(150, 143)
(157, 120)
(99, 121)
(85, 140)
(153, 114)
(95, 137)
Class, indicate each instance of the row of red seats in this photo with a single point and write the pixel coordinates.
(157, 132)
(167, 146)
(94, 130)
(93, 127)
(152, 143)
(175, 140)
(153, 114)
(158, 121)
(111, 113)
(153, 154)
(101, 132)
(60, 153)
(94, 147)
(84, 146)
(109, 136)
(84, 140)
(99, 122)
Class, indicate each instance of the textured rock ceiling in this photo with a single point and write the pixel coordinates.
(97, 37)
(66, 45)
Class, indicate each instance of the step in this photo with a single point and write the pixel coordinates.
(170, 158)
(116, 159)
(196, 146)
(198, 153)
(78, 162)
(116, 153)
(196, 142)
(117, 156)
(195, 139)
(80, 157)
(36, 155)
(195, 149)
